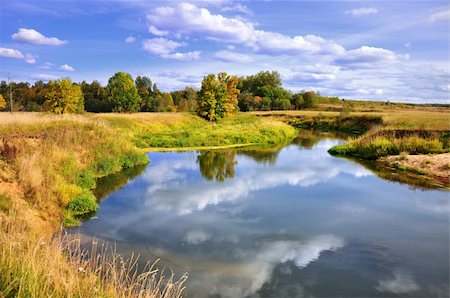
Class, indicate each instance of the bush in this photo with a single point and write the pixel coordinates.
(83, 203)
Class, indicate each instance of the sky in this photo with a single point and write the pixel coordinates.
(372, 50)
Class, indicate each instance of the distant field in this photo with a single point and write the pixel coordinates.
(401, 118)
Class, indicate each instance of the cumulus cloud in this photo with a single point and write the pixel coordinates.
(11, 53)
(44, 77)
(443, 15)
(369, 56)
(229, 56)
(66, 67)
(130, 39)
(188, 19)
(161, 46)
(30, 59)
(357, 12)
(35, 37)
(165, 48)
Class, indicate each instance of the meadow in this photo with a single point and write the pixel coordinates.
(49, 168)
(50, 165)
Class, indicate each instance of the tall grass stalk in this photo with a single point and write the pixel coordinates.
(59, 267)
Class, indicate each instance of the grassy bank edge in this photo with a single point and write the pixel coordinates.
(48, 176)
(375, 136)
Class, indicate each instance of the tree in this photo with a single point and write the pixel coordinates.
(11, 91)
(279, 97)
(218, 97)
(309, 99)
(250, 84)
(166, 102)
(144, 83)
(95, 97)
(2, 102)
(64, 97)
(297, 101)
(123, 94)
(191, 98)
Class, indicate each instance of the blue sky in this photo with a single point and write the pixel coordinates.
(379, 50)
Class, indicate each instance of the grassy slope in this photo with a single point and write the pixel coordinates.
(48, 168)
(406, 130)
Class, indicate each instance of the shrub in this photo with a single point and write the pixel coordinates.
(83, 203)
(86, 179)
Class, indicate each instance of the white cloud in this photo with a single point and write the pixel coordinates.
(188, 19)
(11, 53)
(229, 56)
(272, 43)
(401, 283)
(46, 65)
(153, 30)
(165, 48)
(44, 77)
(188, 56)
(30, 59)
(362, 11)
(443, 15)
(33, 36)
(238, 7)
(130, 39)
(161, 46)
(66, 67)
(369, 56)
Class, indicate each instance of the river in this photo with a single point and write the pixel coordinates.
(285, 222)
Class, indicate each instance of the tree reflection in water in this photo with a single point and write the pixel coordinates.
(217, 165)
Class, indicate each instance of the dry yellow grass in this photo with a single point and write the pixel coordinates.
(58, 267)
(48, 162)
(428, 119)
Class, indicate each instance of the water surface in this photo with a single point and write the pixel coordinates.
(287, 222)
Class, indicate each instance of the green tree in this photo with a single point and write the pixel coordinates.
(218, 96)
(250, 84)
(123, 94)
(63, 96)
(191, 98)
(166, 102)
(279, 97)
(310, 99)
(144, 83)
(297, 101)
(95, 97)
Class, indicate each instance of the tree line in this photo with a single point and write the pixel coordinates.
(219, 96)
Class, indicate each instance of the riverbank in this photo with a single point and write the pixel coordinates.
(435, 165)
(49, 167)
(382, 133)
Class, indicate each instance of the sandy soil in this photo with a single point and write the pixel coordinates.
(433, 164)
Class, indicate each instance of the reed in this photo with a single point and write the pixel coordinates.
(59, 267)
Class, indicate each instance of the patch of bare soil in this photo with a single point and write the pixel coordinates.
(437, 165)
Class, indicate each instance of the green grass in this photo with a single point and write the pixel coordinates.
(196, 132)
(379, 143)
(51, 165)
